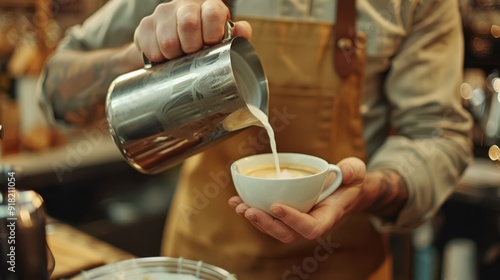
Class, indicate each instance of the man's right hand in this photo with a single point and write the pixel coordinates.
(184, 26)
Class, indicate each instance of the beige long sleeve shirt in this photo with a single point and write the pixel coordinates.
(414, 121)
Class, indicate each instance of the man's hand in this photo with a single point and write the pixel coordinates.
(360, 191)
(183, 27)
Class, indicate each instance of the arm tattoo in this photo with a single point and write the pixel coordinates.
(76, 84)
(392, 197)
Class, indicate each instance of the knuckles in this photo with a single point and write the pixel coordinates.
(188, 18)
(313, 234)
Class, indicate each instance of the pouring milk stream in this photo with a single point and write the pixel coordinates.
(264, 120)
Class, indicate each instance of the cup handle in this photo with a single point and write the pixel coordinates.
(333, 186)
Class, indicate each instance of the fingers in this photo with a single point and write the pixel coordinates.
(184, 27)
(271, 226)
(309, 225)
(263, 221)
(290, 224)
(234, 201)
(168, 44)
(214, 15)
(189, 29)
(145, 39)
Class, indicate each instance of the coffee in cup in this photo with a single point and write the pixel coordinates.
(287, 170)
(302, 184)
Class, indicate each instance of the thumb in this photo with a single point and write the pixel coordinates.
(243, 29)
(353, 170)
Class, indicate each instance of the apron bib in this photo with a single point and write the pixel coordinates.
(313, 110)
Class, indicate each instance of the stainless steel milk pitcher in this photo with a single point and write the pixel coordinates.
(162, 114)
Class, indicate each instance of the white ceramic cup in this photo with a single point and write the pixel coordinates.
(302, 193)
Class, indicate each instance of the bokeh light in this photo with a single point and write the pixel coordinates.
(495, 31)
(494, 153)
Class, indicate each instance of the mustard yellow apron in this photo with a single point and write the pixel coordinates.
(314, 110)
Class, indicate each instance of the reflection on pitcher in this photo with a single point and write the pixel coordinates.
(162, 115)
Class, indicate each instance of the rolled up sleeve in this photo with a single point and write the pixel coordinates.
(431, 144)
(113, 25)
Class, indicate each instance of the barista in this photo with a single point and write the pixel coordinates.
(383, 103)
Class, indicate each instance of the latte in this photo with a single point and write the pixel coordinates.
(286, 171)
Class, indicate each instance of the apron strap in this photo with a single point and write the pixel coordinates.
(344, 34)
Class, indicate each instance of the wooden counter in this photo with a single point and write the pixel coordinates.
(75, 250)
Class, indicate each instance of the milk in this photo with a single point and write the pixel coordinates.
(262, 117)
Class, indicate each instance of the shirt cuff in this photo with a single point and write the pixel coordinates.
(429, 177)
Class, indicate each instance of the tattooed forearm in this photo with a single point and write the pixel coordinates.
(76, 83)
(392, 196)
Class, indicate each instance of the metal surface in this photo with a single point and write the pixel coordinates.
(157, 268)
(24, 251)
(161, 115)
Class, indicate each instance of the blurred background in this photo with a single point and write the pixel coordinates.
(80, 174)
(86, 184)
